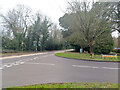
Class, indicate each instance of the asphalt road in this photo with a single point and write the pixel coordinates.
(48, 68)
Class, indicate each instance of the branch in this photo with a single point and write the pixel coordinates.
(116, 29)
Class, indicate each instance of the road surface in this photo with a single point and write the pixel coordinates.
(48, 68)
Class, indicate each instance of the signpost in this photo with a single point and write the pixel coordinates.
(35, 44)
(39, 43)
(66, 44)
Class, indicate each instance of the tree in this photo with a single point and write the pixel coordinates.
(44, 31)
(115, 42)
(104, 44)
(55, 40)
(113, 15)
(88, 22)
(16, 22)
(40, 32)
(21, 28)
(116, 22)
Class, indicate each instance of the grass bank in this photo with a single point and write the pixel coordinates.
(84, 56)
(71, 85)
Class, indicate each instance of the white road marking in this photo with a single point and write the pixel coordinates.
(110, 68)
(12, 64)
(4, 65)
(35, 58)
(22, 62)
(18, 56)
(9, 65)
(84, 66)
(15, 63)
(95, 67)
(40, 63)
(1, 68)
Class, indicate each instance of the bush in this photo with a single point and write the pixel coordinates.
(53, 45)
(104, 46)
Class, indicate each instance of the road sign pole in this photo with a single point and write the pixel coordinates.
(36, 48)
(35, 44)
(22, 46)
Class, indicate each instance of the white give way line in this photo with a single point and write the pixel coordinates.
(95, 67)
(18, 63)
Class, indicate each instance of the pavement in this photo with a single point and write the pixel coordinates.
(48, 68)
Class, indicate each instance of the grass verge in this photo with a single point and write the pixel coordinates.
(87, 56)
(71, 85)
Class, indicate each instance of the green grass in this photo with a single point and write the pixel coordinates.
(71, 85)
(86, 56)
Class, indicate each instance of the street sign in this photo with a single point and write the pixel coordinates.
(66, 44)
(34, 43)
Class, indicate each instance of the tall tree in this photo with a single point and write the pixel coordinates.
(17, 21)
(112, 14)
(45, 31)
(87, 20)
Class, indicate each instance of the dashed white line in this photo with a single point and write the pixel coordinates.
(15, 63)
(35, 58)
(95, 67)
(40, 63)
(1, 68)
(4, 65)
(12, 64)
(9, 65)
(22, 62)
(110, 68)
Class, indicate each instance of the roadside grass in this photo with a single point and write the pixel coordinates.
(86, 56)
(70, 85)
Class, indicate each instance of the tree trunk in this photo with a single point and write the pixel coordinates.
(91, 50)
(119, 40)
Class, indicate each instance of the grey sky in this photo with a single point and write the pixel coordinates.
(51, 8)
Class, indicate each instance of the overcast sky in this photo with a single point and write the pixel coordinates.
(51, 8)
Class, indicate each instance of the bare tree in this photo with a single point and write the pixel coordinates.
(16, 22)
(87, 19)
